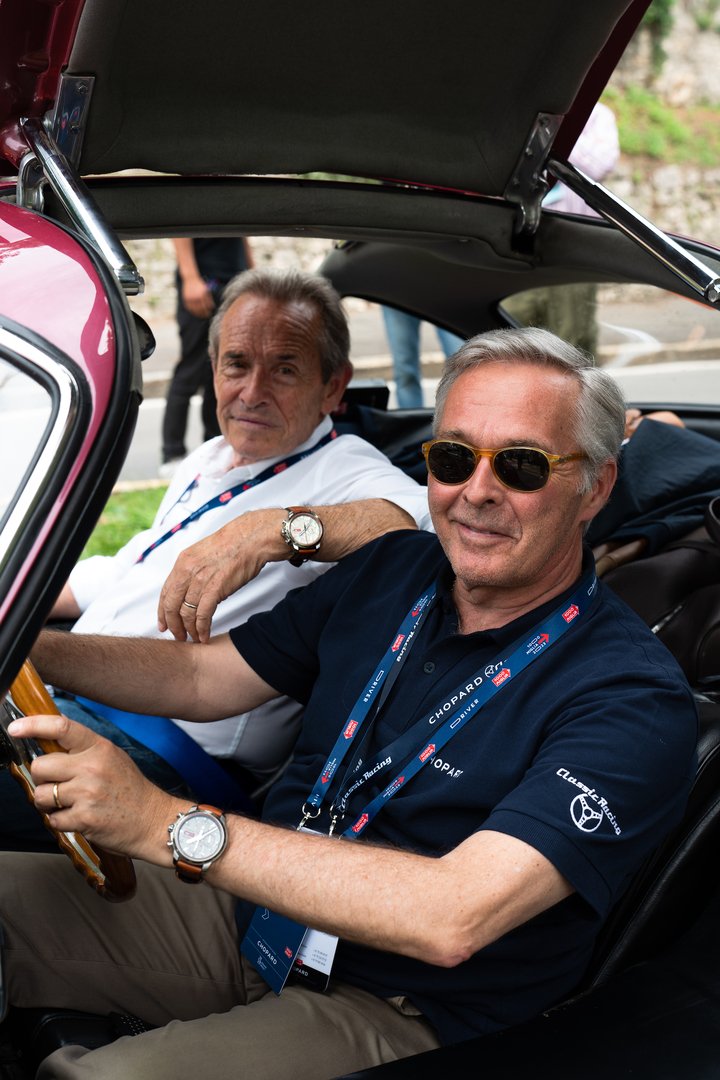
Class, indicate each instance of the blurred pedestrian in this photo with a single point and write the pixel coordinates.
(403, 334)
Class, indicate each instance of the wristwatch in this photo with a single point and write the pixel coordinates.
(198, 838)
(302, 530)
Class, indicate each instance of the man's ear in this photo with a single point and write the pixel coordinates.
(601, 491)
(335, 388)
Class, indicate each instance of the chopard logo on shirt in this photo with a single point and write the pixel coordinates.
(588, 808)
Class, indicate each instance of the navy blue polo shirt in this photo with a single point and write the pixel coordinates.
(587, 755)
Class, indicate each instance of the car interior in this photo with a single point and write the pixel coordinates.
(429, 212)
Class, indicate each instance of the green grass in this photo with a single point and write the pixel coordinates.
(648, 128)
(126, 513)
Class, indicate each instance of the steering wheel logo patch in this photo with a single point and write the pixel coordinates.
(586, 816)
(588, 808)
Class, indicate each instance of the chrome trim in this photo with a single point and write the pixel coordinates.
(56, 438)
(657, 243)
(528, 183)
(79, 205)
(29, 190)
(67, 122)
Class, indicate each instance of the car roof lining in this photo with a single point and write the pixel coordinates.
(273, 88)
(449, 253)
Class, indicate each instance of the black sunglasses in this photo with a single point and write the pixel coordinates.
(520, 468)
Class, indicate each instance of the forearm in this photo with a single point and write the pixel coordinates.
(349, 526)
(164, 678)
(346, 528)
(66, 606)
(185, 257)
(373, 895)
(208, 572)
(130, 673)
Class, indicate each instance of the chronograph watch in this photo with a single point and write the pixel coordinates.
(198, 837)
(302, 530)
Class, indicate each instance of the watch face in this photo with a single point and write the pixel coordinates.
(199, 837)
(305, 531)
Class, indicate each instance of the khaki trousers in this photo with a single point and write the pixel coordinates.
(171, 956)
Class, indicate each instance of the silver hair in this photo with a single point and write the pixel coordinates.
(288, 287)
(599, 422)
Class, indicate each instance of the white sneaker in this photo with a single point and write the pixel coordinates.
(167, 470)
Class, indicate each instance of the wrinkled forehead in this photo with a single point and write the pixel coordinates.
(253, 312)
(499, 403)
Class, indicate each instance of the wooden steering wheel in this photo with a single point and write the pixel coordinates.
(112, 876)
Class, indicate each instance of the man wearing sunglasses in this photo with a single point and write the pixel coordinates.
(492, 744)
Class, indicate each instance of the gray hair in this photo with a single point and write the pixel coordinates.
(599, 422)
(288, 287)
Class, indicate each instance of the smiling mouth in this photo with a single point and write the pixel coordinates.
(256, 421)
(482, 531)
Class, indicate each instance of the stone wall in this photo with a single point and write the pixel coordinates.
(156, 262)
(690, 72)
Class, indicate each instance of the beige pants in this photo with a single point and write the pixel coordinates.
(171, 957)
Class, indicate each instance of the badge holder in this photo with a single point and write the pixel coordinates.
(278, 947)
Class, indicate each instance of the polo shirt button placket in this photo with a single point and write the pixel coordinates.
(429, 667)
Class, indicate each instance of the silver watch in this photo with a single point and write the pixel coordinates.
(198, 838)
(302, 530)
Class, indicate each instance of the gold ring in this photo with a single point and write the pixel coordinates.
(56, 797)
(193, 607)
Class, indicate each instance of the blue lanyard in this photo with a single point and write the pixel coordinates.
(471, 696)
(386, 672)
(226, 496)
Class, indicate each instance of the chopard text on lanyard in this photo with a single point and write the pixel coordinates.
(274, 943)
(226, 496)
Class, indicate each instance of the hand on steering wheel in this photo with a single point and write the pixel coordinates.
(112, 876)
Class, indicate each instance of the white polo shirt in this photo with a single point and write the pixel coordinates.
(118, 595)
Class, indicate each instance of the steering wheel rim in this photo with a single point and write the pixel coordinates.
(112, 876)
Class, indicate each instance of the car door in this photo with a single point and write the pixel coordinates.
(69, 396)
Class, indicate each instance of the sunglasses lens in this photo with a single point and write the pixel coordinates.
(451, 463)
(522, 469)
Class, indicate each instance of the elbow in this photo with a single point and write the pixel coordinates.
(451, 949)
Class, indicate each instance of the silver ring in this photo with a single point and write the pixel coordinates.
(193, 607)
(56, 797)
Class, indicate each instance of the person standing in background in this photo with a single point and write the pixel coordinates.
(204, 267)
(403, 334)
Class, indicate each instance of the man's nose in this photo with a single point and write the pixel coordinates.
(254, 391)
(483, 486)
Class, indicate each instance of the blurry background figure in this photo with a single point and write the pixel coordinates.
(570, 310)
(596, 153)
(204, 268)
(403, 334)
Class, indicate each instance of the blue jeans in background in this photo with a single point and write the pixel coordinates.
(403, 334)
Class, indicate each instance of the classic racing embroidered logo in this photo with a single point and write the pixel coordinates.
(588, 809)
(397, 642)
(572, 613)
